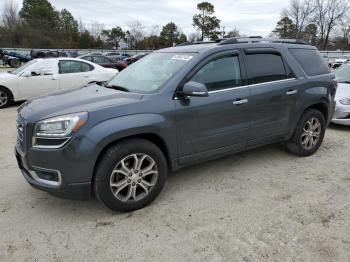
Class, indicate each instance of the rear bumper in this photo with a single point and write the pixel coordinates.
(76, 191)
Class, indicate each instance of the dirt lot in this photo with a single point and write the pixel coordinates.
(262, 205)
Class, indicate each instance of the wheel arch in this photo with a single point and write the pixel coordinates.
(9, 90)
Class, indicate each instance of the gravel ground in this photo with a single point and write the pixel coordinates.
(261, 205)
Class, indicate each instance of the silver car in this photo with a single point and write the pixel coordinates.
(342, 108)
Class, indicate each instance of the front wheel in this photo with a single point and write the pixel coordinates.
(130, 175)
(309, 133)
(6, 98)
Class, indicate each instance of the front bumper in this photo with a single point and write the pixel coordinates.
(341, 114)
(65, 182)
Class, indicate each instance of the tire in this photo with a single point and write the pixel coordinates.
(15, 63)
(309, 133)
(6, 97)
(116, 167)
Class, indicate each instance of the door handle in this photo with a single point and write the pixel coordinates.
(291, 92)
(240, 101)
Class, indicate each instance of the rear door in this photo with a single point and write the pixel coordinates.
(220, 121)
(274, 93)
(73, 74)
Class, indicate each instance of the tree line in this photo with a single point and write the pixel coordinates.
(322, 23)
(38, 24)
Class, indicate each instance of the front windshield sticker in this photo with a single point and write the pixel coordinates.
(182, 57)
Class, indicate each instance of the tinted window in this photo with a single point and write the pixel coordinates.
(69, 67)
(220, 73)
(311, 61)
(266, 68)
(86, 67)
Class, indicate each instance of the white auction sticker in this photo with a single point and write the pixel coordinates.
(182, 57)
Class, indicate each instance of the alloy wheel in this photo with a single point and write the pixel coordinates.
(311, 133)
(133, 177)
(3, 98)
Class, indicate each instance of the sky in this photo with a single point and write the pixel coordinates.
(250, 17)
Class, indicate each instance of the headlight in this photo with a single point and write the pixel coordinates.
(61, 126)
(345, 101)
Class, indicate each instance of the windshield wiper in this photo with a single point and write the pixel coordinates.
(344, 82)
(120, 88)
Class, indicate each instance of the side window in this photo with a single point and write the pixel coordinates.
(98, 59)
(70, 67)
(106, 60)
(220, 73)
(88, 58)
(311, 61)
(86, 67)
(266, 68)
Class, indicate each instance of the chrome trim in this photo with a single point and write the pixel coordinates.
(265, 83)
(227, 89)
(49, 147)
(273, 82)
(292, 92)
(240, 102)
(44, 181)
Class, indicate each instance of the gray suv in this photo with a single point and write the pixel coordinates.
(173, 108)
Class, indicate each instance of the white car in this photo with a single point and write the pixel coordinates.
(43, 76)
(342, 97)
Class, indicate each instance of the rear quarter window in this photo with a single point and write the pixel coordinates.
(311, 61)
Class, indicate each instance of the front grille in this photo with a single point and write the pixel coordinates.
(21, 125)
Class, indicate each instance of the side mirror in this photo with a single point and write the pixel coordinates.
(193, 88)
(26, 74)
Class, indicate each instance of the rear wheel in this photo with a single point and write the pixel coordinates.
(6, 98)
(309, 133)
(130, 175)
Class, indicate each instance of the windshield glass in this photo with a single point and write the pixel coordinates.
(343, 74)
(150, 73)
(23, 67)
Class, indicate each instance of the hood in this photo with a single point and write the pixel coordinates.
(88, 98)
(343, 90)
(6, 75)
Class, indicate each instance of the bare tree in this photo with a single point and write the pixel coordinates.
(9, 24)
(328, 13)
(300, 12)
(10, 17)
(96, 29)
(154, 30)
(192, 37)
(135, 34)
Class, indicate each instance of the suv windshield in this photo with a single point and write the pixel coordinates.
(342, 74)
(150, 73)
(21, 68)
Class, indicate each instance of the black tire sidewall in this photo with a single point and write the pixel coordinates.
(110, 159)
(9, 97)
(295, 144)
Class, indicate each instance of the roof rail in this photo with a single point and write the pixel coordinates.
(196, 43)
(238, 40)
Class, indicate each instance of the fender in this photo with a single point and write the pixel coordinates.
(111, 130)
(310, 97)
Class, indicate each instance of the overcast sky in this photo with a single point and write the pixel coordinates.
(251, 17)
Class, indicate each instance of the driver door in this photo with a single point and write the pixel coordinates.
(42, 81)
(218, 123)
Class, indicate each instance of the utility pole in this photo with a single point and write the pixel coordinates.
(223, 32)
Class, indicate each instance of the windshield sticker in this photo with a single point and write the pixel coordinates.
(182, 57)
